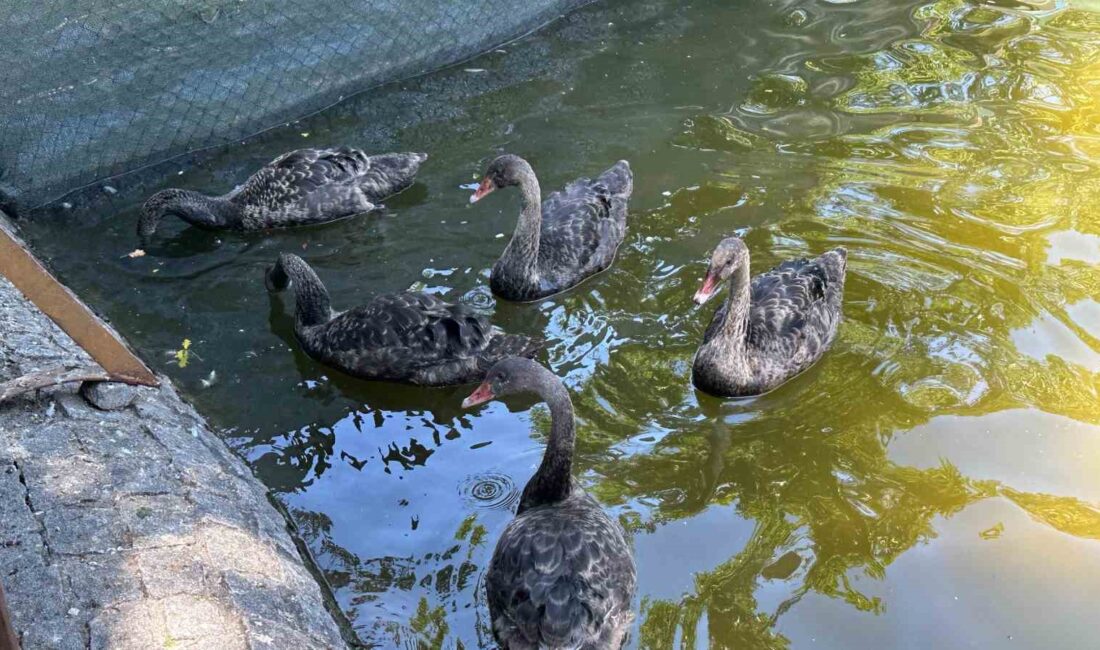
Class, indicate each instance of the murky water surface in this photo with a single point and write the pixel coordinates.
(934, 482)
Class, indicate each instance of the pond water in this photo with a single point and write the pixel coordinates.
(934, 482)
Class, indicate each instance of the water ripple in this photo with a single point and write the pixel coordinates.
(491, 490)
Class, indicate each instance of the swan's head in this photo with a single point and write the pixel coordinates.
(156, 207)
(730, 254)
(511, 376)
(275, 277)
(504, 171)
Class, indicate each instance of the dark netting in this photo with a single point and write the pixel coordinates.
(93, 89)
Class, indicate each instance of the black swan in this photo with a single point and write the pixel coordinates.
(562, 574)
(561, 241)
(303, 187)
(408, 337)
(769, 329)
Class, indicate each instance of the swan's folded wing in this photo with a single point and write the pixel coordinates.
(558, 586)
(303, 171)
(410, 329)
(576, 228)
(787, 307)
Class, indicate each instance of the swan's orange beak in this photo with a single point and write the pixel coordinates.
(485, 188)
(706, 290)
(481, 394)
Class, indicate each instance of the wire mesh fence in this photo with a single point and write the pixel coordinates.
(94, 89)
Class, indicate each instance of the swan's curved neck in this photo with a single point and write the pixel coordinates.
(313, 306)
(522, 253)
(553, 481)
(194, 208)
(735, 324)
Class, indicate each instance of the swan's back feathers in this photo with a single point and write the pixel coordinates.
(316, 185)
(583, 225)
(413, 337)
(795, 308)
(305, 170)
(561, 577)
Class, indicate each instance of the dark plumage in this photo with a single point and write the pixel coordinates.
(303, 187)
(562, 575)
(408, 337)
(560, 242)
(771, 329)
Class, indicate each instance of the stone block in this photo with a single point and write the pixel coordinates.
(15, 515)
(99, 581)
(157, 520)
(191, 618)
(108, 396)
(20, 552)
(35, 596)
(174, 570)
(137, 625)
(74, 530)
(233, 549)
(55, 481)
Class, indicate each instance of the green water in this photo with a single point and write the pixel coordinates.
(934, 482)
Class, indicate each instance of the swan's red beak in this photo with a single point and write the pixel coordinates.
(706, 290)
(485, 188)
(481, 394)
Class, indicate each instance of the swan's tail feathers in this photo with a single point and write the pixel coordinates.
(618, 180)
(504, 346)
(391, 173)
(835, 264)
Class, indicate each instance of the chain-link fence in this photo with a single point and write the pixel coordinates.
(93, 89)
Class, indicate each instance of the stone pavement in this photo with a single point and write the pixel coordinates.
(136, 528)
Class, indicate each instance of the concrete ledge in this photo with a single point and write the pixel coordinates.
(136, 528)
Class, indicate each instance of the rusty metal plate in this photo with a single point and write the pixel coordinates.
(69, 312)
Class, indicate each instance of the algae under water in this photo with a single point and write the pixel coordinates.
(933, 482)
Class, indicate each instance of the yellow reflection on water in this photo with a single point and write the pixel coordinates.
(960, 168)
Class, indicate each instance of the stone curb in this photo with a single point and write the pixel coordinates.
(136, 528)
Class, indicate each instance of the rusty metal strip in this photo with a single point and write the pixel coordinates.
(64, 308)
(8, 640)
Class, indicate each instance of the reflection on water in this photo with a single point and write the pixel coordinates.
(932, 478)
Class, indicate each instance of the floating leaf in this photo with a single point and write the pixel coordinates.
(183, 355)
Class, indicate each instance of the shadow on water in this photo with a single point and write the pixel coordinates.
(932, 478)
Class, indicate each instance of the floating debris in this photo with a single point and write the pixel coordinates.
(183, 355)
(994, 532)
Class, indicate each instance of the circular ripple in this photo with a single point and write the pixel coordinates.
(490, 490)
